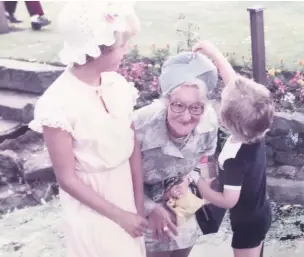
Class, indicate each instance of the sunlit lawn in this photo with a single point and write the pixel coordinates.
(225, 23)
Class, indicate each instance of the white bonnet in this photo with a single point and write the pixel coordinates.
(83, 27)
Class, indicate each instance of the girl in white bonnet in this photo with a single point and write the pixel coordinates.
(85, 118)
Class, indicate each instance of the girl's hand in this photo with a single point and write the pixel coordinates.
(132, 223)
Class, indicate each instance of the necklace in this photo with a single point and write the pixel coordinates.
(180, 142)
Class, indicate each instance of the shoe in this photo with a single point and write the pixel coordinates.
(11, 18)
(38, 22)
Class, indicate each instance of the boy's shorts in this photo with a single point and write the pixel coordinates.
(252, 234)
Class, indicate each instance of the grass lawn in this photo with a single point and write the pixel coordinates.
(225, 23)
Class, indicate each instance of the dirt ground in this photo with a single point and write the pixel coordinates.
(35, 232)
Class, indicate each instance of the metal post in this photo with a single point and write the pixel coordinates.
(3, 21)
(258, 43)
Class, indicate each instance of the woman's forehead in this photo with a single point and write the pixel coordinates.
(186, 94)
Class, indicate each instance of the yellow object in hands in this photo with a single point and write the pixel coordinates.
(185, 206)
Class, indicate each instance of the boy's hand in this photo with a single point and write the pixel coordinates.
(221, 63)
(206, 48)
(210, 181)
(178, 190)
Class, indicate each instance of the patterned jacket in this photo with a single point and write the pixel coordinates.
(161, 158)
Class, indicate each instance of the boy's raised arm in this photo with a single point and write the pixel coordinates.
(222, 64)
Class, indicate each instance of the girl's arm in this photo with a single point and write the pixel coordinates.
(59, 144)
(137, 176)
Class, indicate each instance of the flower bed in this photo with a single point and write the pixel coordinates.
(287, 87)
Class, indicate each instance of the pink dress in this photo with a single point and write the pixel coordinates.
(103, 143)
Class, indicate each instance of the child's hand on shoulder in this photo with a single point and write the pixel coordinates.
(206, 47)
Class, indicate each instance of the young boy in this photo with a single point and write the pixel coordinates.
(247, 112)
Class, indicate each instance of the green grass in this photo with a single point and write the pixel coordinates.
(224, 23)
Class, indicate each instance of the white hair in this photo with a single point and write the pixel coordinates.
(194, 83)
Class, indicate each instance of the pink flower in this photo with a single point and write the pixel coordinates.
(282, 89)
(293, 82)
(277, 81)
(154, 85)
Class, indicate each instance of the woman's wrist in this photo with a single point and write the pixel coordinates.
(116, 215)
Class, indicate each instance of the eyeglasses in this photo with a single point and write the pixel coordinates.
(194, 109)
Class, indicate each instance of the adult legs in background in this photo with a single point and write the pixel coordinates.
(34, 8)
(36, 12)
(10, 8)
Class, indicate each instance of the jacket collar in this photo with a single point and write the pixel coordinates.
(157, 134)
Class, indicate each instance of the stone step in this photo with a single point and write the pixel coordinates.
(17, 106)
(27, 76)
(10, 129)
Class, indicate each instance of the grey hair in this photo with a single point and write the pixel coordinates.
(195, 83)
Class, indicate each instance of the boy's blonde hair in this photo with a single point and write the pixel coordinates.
(247, 109)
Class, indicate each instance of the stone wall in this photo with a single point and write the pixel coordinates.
(285, 146)
(285, 156)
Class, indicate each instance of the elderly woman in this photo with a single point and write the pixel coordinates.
(174, 134)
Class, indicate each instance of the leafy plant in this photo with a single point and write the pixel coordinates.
(188, 34)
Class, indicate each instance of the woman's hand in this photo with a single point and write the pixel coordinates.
(132, 223)
(162, 223)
